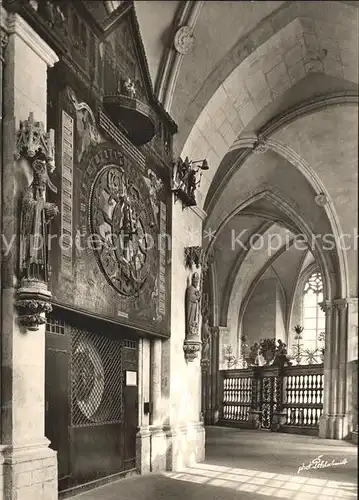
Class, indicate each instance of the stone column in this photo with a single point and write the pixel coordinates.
(334, 421)
(223, 340)
(352, 368)
(143, 437)
(184, 429)
(158, 437)
(214, 372)
(30, 466)
(327, 309)
(341, 425)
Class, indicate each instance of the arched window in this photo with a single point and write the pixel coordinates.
(313, 317)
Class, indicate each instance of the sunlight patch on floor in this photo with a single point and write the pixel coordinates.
(267, 483)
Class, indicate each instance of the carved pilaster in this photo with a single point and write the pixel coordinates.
(36, 147)
(4, 39)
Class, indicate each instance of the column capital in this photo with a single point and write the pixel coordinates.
(341, 304)
(18, 26)
(326, 306)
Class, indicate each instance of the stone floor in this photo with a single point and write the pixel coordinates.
(249, 465)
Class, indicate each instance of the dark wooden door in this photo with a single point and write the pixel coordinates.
(56, 394)
(91, 398)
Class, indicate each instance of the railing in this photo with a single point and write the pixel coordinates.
(289, 399)
(303, 395)
(237, 395)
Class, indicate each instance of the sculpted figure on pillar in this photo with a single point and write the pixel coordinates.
(192, 302)
(36, 147)
(36, 213)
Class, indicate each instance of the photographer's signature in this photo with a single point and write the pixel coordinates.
(318, 463)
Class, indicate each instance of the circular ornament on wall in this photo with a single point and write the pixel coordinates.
(183, 40)
(321, 200)
(121, 218)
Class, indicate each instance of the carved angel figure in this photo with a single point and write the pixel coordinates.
(87, 132)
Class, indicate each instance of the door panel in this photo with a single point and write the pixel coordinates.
(92, 413)
(56, 392)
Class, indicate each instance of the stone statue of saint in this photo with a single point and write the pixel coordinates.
(36, 213)
(192, 307)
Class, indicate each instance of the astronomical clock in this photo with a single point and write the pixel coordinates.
(121, 216)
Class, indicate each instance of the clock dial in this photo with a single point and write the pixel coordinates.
(121, 217)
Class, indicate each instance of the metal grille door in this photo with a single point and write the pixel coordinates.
(96, 379)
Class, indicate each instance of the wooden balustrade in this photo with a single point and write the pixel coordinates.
(288, 399)
(302, 397)
(237, 392)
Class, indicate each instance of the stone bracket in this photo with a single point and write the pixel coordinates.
(33, 303)
(191, 348)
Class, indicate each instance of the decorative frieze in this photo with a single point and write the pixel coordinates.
(67, 154)
(162, 266)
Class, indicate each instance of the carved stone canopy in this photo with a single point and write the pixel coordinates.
(34, 143)
(193, 256)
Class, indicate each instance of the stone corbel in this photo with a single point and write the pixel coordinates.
(191, 349)
(36, 147)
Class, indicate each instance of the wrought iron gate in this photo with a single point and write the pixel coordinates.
(92, 414)
(270, 397)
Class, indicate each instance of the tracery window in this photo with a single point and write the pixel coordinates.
(313, 318)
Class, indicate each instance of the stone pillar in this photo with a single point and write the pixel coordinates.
(223, 340)
(158, 437)
(183, 427)
(143, 437)
(341, 425)
(352, 368)
(30, 466)
(334, 421)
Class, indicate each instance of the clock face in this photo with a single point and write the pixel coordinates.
(122, 222)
